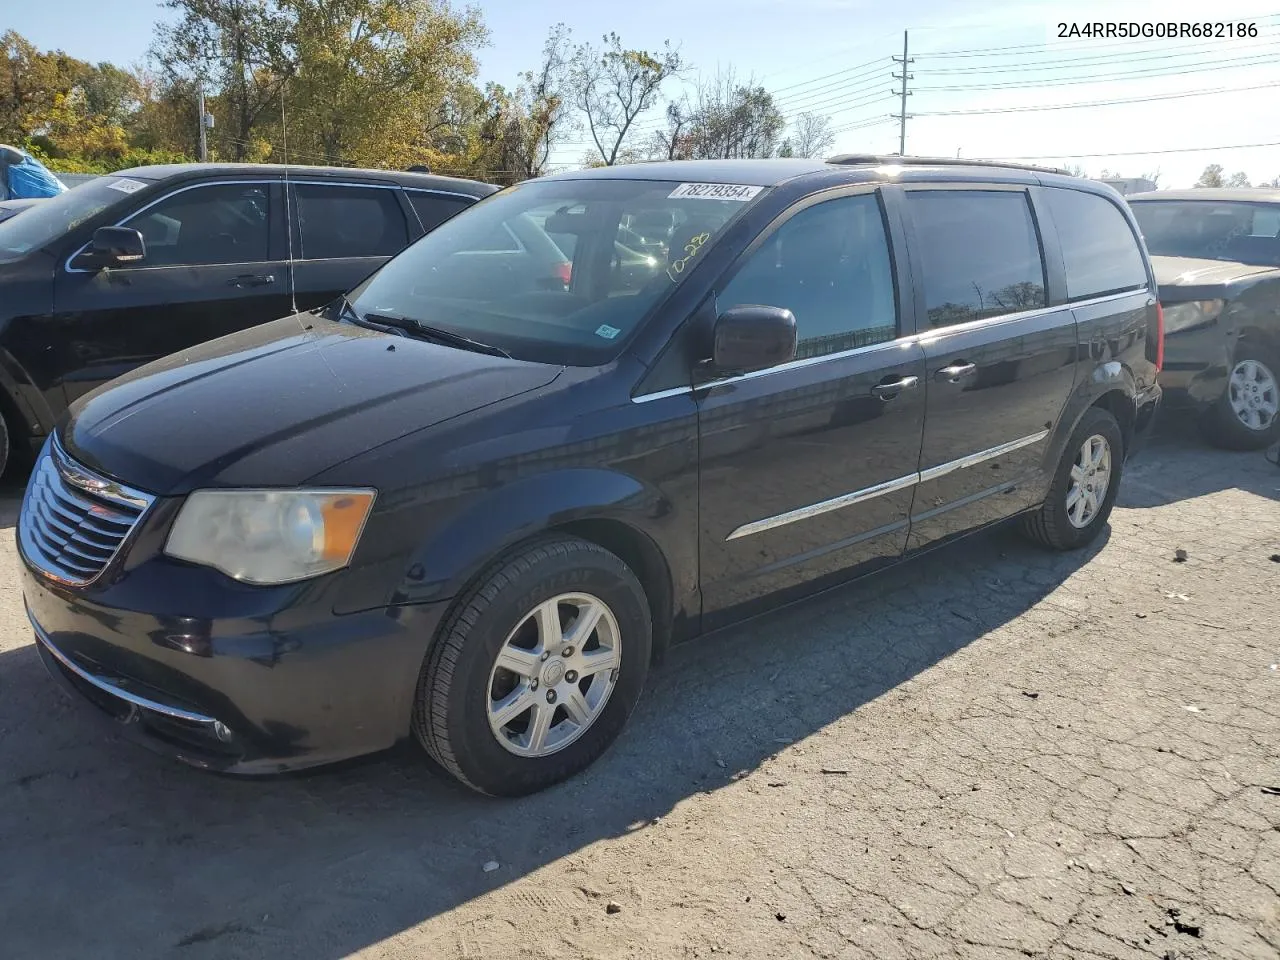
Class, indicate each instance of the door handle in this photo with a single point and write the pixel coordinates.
(251, 280)
(887, 391)
(956, 372)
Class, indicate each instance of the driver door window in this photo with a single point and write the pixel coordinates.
(829, 265)
(213, 224)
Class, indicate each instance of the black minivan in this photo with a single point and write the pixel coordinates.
(467, 505)
(130, 267)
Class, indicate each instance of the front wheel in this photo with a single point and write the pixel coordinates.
(1247, 415)
(1084, 485)
(537, 669)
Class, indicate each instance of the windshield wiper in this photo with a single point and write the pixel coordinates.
(407, 326)
(447, 337)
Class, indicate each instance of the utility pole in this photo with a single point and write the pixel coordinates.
(902, 110)
(204, 141)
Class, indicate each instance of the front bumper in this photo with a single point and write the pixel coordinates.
(249, 692)
(1196, 365)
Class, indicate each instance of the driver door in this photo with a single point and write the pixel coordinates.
(215, 264)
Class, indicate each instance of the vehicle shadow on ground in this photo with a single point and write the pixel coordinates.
(110, 851)
(1177, 463)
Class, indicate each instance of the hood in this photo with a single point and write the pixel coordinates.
(1178, 272)
(276, 404)
(11, 208)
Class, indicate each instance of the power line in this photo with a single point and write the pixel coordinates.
(1079, 63)
(849, 103)
(804, 83)
(865, 124)
(1141, 74)
(850, 88)
(1096, 103)
(1137, 153)
(878, 72)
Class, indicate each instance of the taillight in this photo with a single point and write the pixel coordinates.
(1159, 337)
(565, 272)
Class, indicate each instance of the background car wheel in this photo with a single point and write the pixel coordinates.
(537, 668)
(1247, 416)
(1084, 485)
(4, 445)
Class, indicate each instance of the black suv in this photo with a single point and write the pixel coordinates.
(467, 505)
(1216, 255)
(131, 267)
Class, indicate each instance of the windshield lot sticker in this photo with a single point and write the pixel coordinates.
(714, 191)
(124, 185)
(606, 331)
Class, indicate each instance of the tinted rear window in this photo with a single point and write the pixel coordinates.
(1099, 249)
(980, 252)
(434, 209)
(341, 222)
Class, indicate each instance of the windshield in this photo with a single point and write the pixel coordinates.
(1241, 232)
(557, 271)
(47, 220)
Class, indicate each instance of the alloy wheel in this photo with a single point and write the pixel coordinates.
(1253, 394)
(1090, 478)
(554, 674)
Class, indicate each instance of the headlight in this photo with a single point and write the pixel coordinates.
(1184, 316)
(270, 536)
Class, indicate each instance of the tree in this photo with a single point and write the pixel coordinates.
(1238, 179)
(810, 136)
(734, 120)
(1076, 170)
(613, 85)
(240, 49)
(544, 104)
(31, 85)
(725, 120)
(371, 76)
(1211, 177)
(673, 142)
(1154, 177)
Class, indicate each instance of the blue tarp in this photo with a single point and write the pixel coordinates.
(27, 178)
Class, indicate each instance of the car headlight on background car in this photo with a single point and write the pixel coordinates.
(270, 536)
(1195, 313)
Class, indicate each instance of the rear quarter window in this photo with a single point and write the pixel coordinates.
(1099, 249)
(434, 209)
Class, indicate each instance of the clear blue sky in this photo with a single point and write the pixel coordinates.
(794, 47)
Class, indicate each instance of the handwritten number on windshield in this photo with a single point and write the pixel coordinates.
(691, 250)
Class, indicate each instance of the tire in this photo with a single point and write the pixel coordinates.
(462, 685)
(1254, 377)
(1061, 524)
(4, 445)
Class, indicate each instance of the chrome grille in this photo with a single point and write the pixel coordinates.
(73, 521)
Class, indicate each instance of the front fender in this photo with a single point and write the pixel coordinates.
(26, 398)
(454, 552)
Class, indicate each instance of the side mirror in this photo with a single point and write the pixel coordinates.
(112, 246)
(753, 337)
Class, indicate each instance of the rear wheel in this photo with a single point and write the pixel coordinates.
(1247, 415)
(1084, 486)
(536, 671)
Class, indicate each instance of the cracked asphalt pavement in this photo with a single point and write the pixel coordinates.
(992, 753)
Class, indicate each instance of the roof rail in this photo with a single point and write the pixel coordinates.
(869, 159)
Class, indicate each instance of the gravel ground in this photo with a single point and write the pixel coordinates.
(994, 753)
